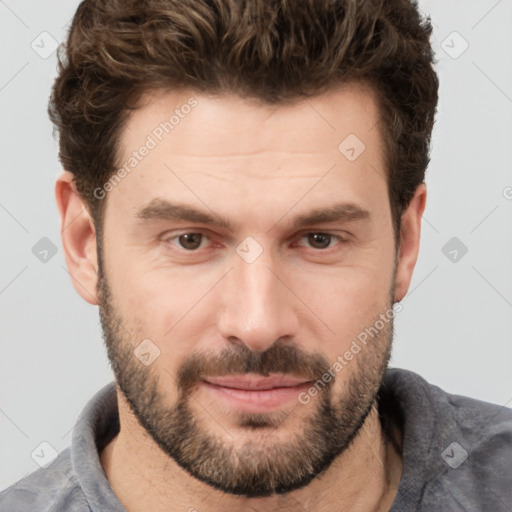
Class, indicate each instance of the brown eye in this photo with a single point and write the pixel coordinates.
(319, 240)
(190, 241)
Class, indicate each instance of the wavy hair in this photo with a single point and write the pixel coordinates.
(276, 51)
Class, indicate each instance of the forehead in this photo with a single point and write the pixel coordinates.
(255, 126)
(211, 149)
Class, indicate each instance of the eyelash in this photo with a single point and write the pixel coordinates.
(333, 236)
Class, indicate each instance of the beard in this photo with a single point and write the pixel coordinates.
(265, 465)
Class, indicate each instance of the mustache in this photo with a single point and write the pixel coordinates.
(281, 357)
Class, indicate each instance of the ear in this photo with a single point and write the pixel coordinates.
(410, 232)
(78, 238)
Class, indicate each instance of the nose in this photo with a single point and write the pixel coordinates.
(257, 308)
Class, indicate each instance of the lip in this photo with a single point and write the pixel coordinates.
(254, 393)
(255, 382)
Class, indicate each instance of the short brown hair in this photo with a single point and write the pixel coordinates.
(271, 50)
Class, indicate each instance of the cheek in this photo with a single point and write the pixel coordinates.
(147, 289)
(347, 292)
(167, 306)
(347, 301)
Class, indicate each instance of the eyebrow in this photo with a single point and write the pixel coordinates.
(161, 209)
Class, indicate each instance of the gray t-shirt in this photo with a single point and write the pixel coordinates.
(457, 454)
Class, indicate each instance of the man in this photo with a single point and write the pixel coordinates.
(243, 192)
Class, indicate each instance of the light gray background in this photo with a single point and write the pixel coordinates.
(456, 325)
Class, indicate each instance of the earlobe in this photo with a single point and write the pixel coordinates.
(410, 242)
(78, 238)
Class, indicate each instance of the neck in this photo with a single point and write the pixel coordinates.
(364, 477)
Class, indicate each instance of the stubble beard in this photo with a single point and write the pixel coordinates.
(267, 465)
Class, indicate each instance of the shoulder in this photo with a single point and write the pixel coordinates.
(53, 488)
(458, 450)
(444, 411)
(415, 390)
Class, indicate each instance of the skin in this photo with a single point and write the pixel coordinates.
(258, 166)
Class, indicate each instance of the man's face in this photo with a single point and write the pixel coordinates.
(244, 316)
